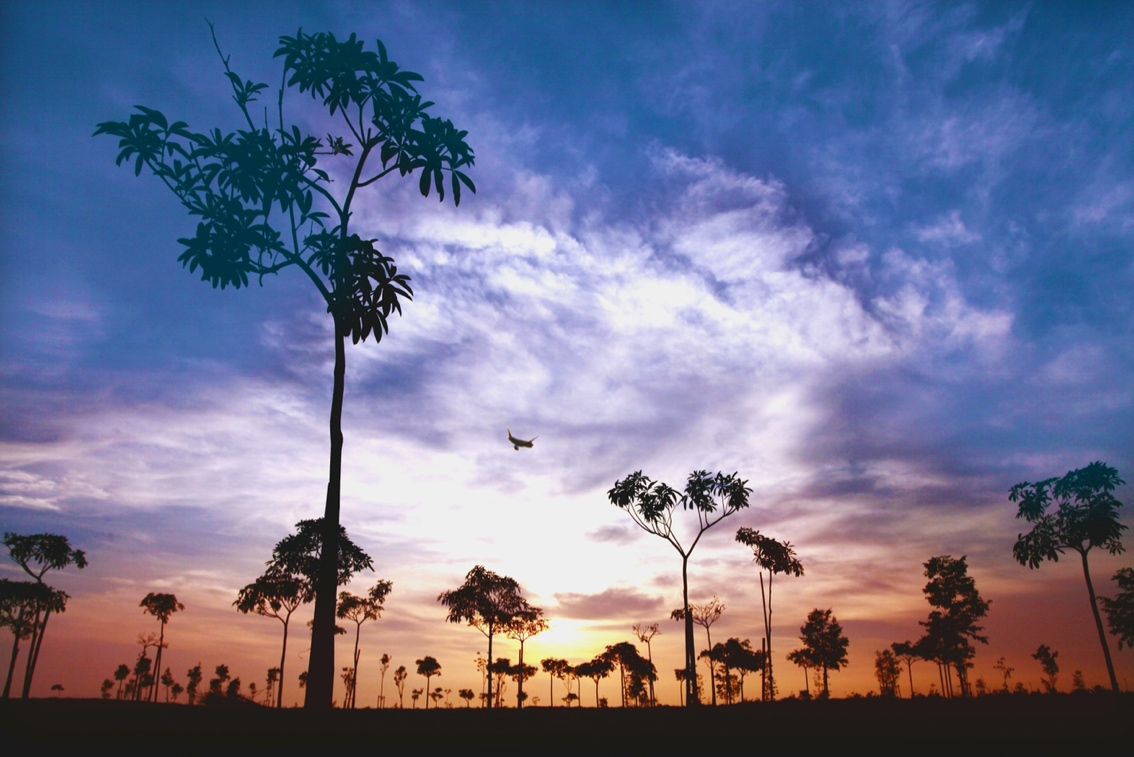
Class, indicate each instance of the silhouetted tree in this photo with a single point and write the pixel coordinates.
(1120, 609)
(959, 606)
(176, 690)
(37, 554)
(704, 615)
(528, 623)
(105, 688)
(634, 671)
(265, 203)
(775, 557)
(142, 676)
(1005, 669)
(1085, 517)
(121, 673)
(468, 695)
(146, 640)
(486, 601)
(435, 695)
(823, 638)
(570, 673)
(596, 669)
(554, 667)
(232, 691)
(739, 655)
(167, 682)
(806, 660)
(292, 575)
(347, 674)
(651, 505)
(383, 666)
(57, 688)
(501, 668)
(359, 610)
(907, 652)
(888, 670)
(1046, 658)
(400, 675)
(274, 678)
(645, 634)
(161, 606)
(1078, 685)
(193, 681)
(428, 666)
(415, 694)
(20, 601)
(218, 681)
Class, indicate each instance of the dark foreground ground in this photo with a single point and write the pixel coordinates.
(1071, 725)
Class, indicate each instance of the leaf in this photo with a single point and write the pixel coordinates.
(423, 183)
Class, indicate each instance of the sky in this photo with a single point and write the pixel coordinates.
(873, 257)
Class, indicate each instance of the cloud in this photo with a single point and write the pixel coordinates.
(608, 604)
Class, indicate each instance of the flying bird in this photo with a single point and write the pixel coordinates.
(517, 443)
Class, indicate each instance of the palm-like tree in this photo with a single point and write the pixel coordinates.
(1085, 517)
(428, 666)
(775, 557)
(162, 607)
(704, 615)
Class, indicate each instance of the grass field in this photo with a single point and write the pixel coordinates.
(1072, 725)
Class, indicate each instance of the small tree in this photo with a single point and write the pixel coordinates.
(774, 557)
(806, 660)
(1120, 609)
(1005, 670)
(167, 681)
(1085, 517)
(428, 666)
(596, 669)
(554, 667)
(265, 201)
(907, 652)
(651, 505)
(161, 606)
(121, 673)
(525, 625)
(704, 615)
(823, 638)
(400, 682)
(468, 695)
(888, 671)
(953, 623)
(105, 688)
(486, 601)
(646, 634)
(1046, 658)
(359, 610)
(20, 604)
(36, 554)
(193, 681)
(383, 666)
(415, 694)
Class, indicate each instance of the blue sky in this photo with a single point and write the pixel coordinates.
(876, 257)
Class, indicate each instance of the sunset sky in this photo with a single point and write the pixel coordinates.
(874, 257)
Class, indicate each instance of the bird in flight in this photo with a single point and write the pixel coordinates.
(517, 443)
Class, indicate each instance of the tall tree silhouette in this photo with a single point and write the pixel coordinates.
(400, 675)
(359, 610)
(704, 615)
(554, 667)
(37, 554)
(121, 673)
(1005, 670)
(19, 603)
(774, 557)
(646, 634)
(651, 505)
(383, 666)
(161, 606)
(291, 576)
(596, 669)
(486, 601)
(826, 646)
(1085, 516)
(193, 682)
(1046, 657)
(1119, 609)
(953, 623)
(805, 659)
(907, 652)
(275, 595)
(888, 672)
(266, 201)
(525, 625)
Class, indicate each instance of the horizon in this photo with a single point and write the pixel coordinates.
(872, 258)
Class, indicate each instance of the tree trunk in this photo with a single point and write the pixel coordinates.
(551, 690)
(488, 670)
(692, 699)
(806, 681)
(29, 664)
(157, 664)
(650, 658)
(712, 675)
(321, 669)
(520, 680)
(1099, 625)
(768, 652)
(596, 693)
(15, 653)
(354, 681)
(283, 658)
(909, 667)
(826, 684)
